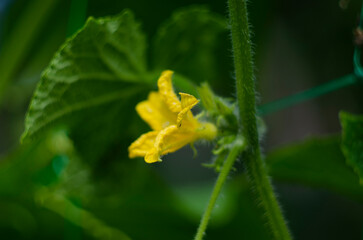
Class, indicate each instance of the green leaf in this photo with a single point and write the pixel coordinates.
(187, 41)
(93, 76)
(352, 141)
(315, 162)
(99, 65)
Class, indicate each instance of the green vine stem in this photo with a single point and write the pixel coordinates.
(233, 154)
(244, 71)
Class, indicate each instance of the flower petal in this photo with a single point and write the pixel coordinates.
(167, 92)
(141, 146)
(187, 102)
(155, 112)
(152, 156)
(170, 140)
(173, 138)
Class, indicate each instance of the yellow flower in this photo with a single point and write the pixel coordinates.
(171, 120)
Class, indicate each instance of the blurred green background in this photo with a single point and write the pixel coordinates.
(59, 189)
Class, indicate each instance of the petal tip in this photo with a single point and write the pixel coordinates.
(167, 92)
(152, 157)
(167, 72)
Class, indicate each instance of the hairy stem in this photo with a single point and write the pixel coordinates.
(217, 189)
(244, 71)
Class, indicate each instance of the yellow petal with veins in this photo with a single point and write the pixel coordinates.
(155, 112)
(171, 139)
(152, 156)
(187, 102)
(141, 146)
(167, 92)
